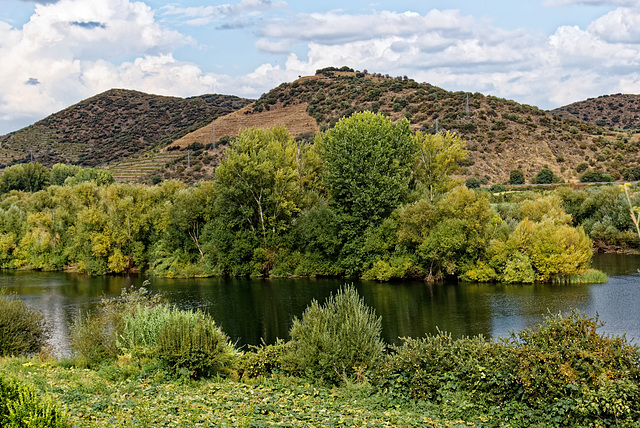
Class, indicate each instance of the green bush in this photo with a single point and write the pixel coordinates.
(577, 375)
(560, 373)
(22, 330)
(498, 188)
(595, 177)
(473, 183)
(22, 407)
(546, 176)
(432, 367)
(516, 176)
(263, 360)
(191, 343)
(94, 335)
(336, 341)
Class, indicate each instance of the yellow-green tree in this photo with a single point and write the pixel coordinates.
(439, 156)
(257, 192)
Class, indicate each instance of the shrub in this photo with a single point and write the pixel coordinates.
(576, 374)
(498, 188)
(516, 176)
(595, 177)
(546, 176)
(94, 335)
(191, 342)
(432, 367)
(263, 360)
(473, 183)
(336, 341)
(22, 330)
(21, 406)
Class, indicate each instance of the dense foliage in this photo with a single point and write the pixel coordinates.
(139, 324)
(561, 372)
(337, 340)
(22, 330)
(22, 407)
(367, 199)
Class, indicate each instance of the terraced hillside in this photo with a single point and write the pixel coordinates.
(501, 135)
(113, 126)
(143, 137)
(144, 167)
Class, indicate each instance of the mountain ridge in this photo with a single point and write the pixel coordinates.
(501, 134)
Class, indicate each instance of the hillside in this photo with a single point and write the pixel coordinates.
(501, 134)
(621, 111)
(146, 138)
(111, 126)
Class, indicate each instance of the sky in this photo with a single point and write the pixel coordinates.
(547, 53)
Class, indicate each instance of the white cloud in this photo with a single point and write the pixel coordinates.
(203, 15)
(560, 3)
(74, 49)
(621, 25)
(460, 52)
(337, 28)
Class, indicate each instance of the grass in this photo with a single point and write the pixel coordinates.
(590, 276)
(127, 395)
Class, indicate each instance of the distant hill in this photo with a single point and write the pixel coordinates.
(501, 134)
(621, 111)
(112, 126)
(147, 138)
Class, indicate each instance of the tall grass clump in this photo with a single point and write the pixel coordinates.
(22, 330)
(22, 407)
(336, 341)
(589, 276)
(94, 336)
(143, 326)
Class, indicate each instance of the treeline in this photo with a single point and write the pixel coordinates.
(367, 199)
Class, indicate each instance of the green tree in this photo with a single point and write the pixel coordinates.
(367, 172)
(29, 177)
(439, 156)
(367, 165)
(258, 191)
(447, 236)
(60, 171)
(516, 176)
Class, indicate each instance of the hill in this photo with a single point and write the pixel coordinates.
(111, 126)
(621, 111)
(501, 135)
(147, 138)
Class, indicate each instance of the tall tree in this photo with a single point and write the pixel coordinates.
(367, 172)
(439, 156)
(257, 193)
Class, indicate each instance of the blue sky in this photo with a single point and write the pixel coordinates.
(546, 53)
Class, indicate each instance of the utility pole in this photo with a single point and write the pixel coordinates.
(437, 126)
(467, 106)
(188, 158)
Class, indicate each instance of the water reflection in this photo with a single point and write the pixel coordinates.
(250, 311)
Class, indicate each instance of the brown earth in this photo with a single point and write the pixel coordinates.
(293, 117)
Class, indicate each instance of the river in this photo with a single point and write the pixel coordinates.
(252, 310)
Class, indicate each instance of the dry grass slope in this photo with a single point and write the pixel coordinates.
(294, 117)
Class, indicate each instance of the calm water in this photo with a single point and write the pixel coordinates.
(252, 310)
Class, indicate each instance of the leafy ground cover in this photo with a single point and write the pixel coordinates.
(126, 395)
